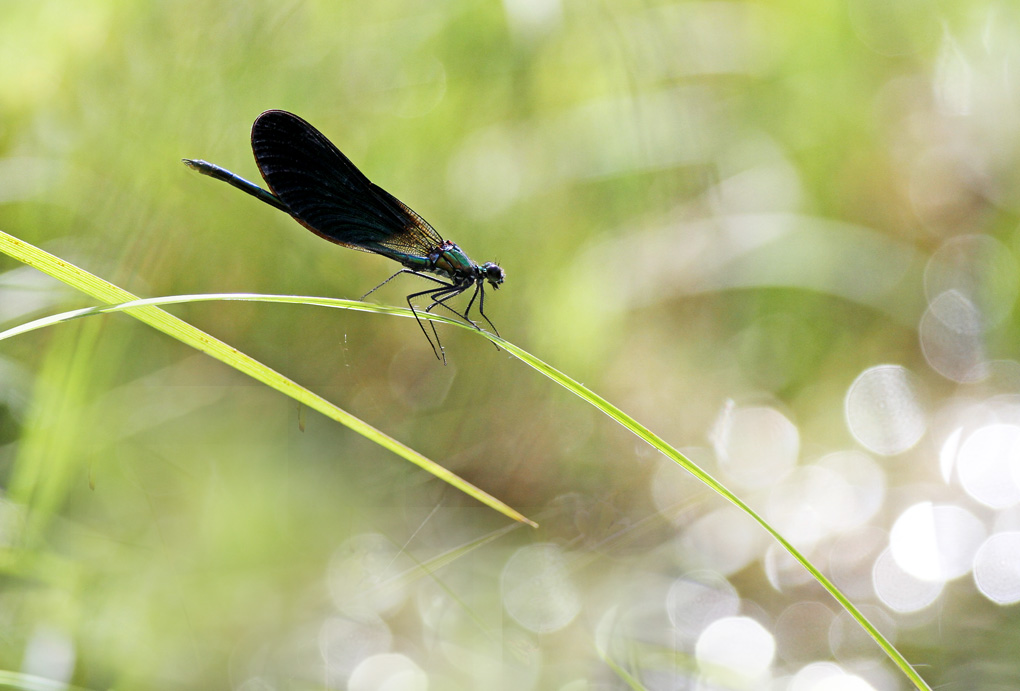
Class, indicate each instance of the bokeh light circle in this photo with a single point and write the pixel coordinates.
(698, 599)
(987, 464)
(802, 631)
(997, 568)
(827, 676)
(755, 444)
(363, 575)
(537, 589)
(811, 502)
(674, 490)
(935, 543)
(782, 570)
(849, 642)
(724, 540)
(883, 410)
(345, 642)
(866, 481)
(737, 646)
(850, 560)
(900, 591)
(388, 672)
(951, 338)
(980, 269)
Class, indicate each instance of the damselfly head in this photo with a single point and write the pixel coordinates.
(493, 274)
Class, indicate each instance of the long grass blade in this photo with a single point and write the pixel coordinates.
(660, 445)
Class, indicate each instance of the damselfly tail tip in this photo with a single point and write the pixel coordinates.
(197, 165)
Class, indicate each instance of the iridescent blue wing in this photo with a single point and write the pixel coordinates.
(327, 194)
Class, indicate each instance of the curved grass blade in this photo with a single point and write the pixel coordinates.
(337, 303)
(660, 445)
(186, 333)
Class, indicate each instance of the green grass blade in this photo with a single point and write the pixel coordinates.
(186, 333)
(136, 303)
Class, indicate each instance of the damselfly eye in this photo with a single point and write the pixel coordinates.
(493, 273)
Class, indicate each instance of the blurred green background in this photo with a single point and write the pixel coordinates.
(781, 235)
